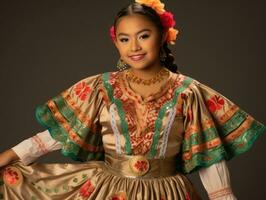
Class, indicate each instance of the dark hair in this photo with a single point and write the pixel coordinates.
(136, 8)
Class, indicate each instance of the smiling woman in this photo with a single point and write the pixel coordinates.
(139, 130)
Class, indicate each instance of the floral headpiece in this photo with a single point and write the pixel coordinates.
(167, 19)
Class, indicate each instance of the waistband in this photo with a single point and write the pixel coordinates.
(140, 166)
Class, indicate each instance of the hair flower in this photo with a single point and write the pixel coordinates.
(167, 19)
(112, 33)
(156, 5)
(171, 36)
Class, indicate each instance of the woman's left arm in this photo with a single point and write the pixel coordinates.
(216, 181)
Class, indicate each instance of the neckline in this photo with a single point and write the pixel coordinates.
(130, 92)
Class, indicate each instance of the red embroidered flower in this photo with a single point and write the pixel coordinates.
(112, 33)
(119, 196)
(87, 189)
(82, 90)
(167, 19)
(11, 176)
(215, 103)
(187, 197)
(141, 165)
(183, 96)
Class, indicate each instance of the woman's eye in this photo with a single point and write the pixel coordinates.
(144, 36)
(123, 40)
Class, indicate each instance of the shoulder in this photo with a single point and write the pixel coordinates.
(185, 83)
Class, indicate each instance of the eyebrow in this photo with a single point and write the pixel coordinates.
(136, 33)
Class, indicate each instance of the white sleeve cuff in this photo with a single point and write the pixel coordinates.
(216, 180)
(32, 148)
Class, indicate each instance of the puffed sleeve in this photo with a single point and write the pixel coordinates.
(72, 118)
(215, 128)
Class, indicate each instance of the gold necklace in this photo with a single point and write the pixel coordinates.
(157, 78)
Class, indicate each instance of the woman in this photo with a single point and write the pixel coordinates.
(141, 128)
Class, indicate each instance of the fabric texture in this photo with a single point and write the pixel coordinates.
(102, 117)
(34, 147)
(216, 181)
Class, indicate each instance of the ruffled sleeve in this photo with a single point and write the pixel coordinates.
(215, 128)
(72, 118)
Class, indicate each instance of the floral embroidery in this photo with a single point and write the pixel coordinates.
(82, 90)
(141, 165)
(215, 103)
(145, 128)
(12, 176)
(87, 189)
(187, 197)
(119, 196)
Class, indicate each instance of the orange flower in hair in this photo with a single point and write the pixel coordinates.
(156, 5)
(171, 36)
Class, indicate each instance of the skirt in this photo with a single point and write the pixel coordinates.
(91, 180)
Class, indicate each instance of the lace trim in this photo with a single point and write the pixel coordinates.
(167, 131)
(115, 129)
(220, 193)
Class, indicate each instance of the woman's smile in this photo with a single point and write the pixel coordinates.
(137, 57)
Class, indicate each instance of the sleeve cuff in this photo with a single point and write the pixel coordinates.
(32, 148)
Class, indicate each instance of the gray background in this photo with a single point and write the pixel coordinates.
(46, 46)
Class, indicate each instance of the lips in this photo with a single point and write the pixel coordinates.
(137, 57)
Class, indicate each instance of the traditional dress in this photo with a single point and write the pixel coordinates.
(133, 147)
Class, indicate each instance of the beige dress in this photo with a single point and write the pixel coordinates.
(136, 148)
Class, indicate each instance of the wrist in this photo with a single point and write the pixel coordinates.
(11, 155)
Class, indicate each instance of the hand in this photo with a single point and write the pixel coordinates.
(7, 157)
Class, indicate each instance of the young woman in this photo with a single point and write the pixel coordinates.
(139, 130)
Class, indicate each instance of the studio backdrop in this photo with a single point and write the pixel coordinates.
(47, 46)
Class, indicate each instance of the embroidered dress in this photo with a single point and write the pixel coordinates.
(132, 147)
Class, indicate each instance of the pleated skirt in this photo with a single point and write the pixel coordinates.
(91, 180)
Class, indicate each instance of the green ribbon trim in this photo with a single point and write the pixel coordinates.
(77, 126)
(209, 134)
(121, 112)
(69, 147)
(199, 138)
(234, 122)
(158, 123)
(225, 151)
(245, 141)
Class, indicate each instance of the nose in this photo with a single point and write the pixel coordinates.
(135, 45)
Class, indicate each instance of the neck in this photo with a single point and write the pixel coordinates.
(148, 72)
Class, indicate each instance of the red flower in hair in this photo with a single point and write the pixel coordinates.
(167, 19)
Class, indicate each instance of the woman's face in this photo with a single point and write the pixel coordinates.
(138, 41)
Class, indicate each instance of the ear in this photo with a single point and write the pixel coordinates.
(115, 43)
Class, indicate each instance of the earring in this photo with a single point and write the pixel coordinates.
(163, 55)
(121, 65)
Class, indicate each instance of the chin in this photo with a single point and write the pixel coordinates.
(140, 66)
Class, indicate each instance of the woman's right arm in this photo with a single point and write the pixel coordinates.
(30, 149)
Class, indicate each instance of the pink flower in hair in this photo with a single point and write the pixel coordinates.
(112, 33)
(167, 19)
